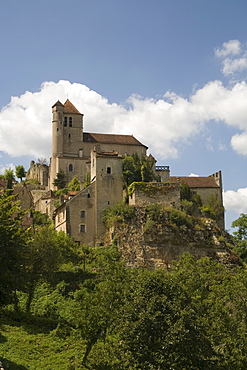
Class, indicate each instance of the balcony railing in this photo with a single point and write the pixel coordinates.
(161, 168)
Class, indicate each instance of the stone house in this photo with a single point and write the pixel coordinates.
(204, 186)
(81, 216)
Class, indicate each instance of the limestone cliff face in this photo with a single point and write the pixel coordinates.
(145, 242)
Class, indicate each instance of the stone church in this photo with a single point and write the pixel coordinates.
(97, 157)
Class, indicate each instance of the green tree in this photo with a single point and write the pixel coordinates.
(20, 172)
(185, 193)
(138, 169)
(59, 181)
(74, 184)
(240, 236)
(213, 208)
(100, 298)
(160, 327)
(44, 254)
(9, 177)
(12, 242)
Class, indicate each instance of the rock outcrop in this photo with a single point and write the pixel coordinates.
(155, 240)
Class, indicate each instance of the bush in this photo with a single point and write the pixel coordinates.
(155, 211)
(120, 212)
(179, 218)
(187, 206)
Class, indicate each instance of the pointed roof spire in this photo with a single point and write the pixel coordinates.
(70, 108)
(57, 103)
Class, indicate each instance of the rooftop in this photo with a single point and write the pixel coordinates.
(111, 139)
(196, 181)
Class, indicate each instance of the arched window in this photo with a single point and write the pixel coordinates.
(69, 136)
(70, 167)
(65, 121)
(70, 121)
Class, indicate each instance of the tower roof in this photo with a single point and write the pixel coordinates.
(70, 108)
(57, 103)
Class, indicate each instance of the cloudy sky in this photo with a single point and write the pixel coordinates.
(171, 72)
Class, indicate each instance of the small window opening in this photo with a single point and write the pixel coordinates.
(65, 121)
(70, 167)
(108, 170)
(82, 228)
(70, 121)
(88, 195)
(83, 214)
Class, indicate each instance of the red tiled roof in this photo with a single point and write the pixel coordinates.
(70, 108)
(196, 181)
(111, 139)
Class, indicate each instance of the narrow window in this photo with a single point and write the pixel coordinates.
(82, 228)
(88, 195)
(65, 121)
(69, 136)
(70, 121)
(70, 167)
(108, 170)
(83, 214)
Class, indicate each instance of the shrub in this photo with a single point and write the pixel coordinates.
(149, 226)
(179, 218)
(187, 206)
(120, 212)
(155, 211)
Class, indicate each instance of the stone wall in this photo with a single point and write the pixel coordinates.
(39, 172)
(166, 194)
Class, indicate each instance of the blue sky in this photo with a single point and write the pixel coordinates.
(171, 72)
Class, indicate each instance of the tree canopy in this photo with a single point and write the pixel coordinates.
(9, 177)
(136, 169)
(59, 181)
(20, 172)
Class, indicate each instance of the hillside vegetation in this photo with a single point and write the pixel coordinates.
(70, 307)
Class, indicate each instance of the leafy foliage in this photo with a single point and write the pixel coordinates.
(12, 241)
(240, 236)
(59, 181)
(9, 177)
(74, 184)
(86, 309)
(185, 192)
(120, 212)
(213, 208)
(20, 172)
(136, 169)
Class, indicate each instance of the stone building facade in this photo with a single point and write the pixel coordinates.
(81, 216)
(98, 157)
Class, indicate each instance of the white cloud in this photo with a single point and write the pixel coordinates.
(236, 200)
(8, 166)
(234, 57)
(193, 175)
(232, 47)
(25, 123)
(232, 66)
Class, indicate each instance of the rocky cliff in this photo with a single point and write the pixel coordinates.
(154, 237)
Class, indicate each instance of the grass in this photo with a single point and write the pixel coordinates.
(21, 349)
